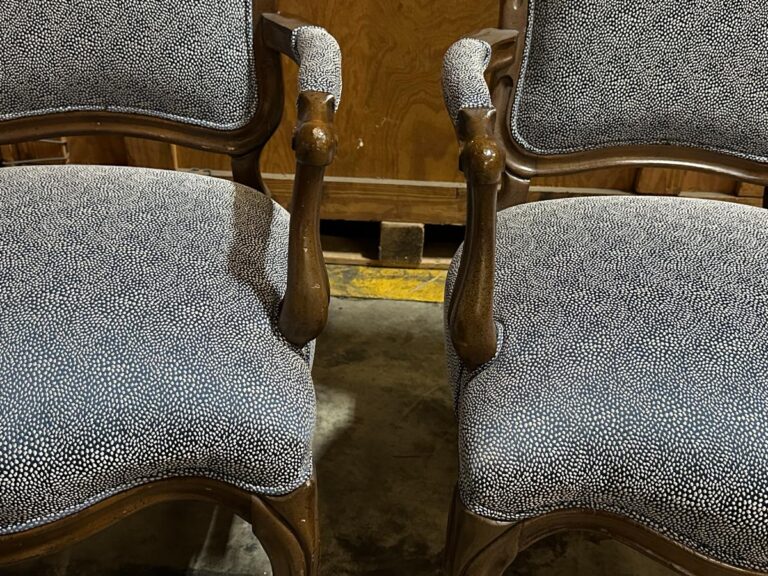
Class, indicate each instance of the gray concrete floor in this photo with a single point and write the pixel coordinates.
(386, 464)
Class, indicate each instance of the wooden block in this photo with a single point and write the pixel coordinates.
(659, 181)
(401, 244)
(749, 190)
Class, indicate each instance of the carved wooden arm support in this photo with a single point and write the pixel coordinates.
(304, 309)
(469, 65)
(470, 313)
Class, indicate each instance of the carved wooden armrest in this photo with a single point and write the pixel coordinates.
(304, 309)
(466, 68)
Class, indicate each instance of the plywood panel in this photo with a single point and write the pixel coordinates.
(392, 123)
(150, 154)
(197, 159)
(51, 151)
(109, 150)
(659, 181)
(616, 179)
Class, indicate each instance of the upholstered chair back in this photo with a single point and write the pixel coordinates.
(189, 62)
(597, 74)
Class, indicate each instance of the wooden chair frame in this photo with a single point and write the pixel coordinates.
(498, 173)
(286, 526)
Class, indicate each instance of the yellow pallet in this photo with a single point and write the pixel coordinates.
(420, 285)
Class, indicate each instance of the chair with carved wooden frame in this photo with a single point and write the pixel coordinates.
(609, 355)
(157, 327)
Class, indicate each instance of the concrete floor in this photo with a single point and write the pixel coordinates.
(386, 464)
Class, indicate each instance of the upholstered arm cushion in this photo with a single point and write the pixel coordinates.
(319, 58)
(464, 85)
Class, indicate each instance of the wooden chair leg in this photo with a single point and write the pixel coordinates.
(287, 527)
(477, 546)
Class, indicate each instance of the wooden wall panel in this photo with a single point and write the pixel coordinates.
(615, 179)
(392, 123)
(53, 151)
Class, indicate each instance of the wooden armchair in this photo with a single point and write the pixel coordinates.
(609, 355)
(157, 328)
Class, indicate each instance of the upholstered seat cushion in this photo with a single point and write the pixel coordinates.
(138, 339)
(632, 372)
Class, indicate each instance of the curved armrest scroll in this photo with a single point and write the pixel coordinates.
(315, 51)
(304, 309)
(469, 103)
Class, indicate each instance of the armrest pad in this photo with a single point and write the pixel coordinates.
(319, 59)
(464, 84)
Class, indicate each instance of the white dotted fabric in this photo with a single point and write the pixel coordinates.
(632, 375)
(186, 61)
(319, 58)
(464, 85)
(601, 73)
(138, 339)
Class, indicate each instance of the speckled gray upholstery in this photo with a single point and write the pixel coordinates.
(191, 62)
(138, 339)
(600, 73)
(632, 371)
(186, 61)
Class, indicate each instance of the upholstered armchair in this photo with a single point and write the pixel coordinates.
(609, 355)
(157, 328)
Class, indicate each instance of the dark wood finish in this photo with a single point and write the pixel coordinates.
(470, 313)
(305, 308)
(478, 546)
(287, 526)
(246, 170)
